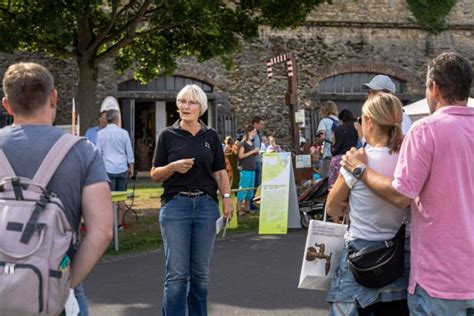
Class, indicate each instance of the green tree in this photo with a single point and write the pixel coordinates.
(430, 14)
(150, 35)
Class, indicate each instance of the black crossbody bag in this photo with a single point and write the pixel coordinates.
(380, 264)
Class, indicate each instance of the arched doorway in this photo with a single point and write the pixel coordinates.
(346, 90)
(149, 108)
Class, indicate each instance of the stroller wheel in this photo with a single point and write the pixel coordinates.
(304, 220)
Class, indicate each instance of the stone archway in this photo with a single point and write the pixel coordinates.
(149, 108)
(342, 83)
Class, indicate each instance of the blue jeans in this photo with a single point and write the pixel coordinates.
(81, 300)
(258, 180)
(188, 228)
(345, 293)
(258, 174)
(420, 304)
(118, 182)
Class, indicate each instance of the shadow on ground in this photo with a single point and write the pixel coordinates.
(250, 275)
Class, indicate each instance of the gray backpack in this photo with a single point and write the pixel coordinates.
(35, 237)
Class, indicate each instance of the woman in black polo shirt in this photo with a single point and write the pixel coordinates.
(189, 160)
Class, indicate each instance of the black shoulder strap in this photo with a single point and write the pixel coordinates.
(332, 119)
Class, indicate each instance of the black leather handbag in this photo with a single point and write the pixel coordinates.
(380, 264)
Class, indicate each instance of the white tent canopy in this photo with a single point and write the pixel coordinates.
(420, 108)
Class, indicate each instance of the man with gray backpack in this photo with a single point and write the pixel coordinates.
(48, 181)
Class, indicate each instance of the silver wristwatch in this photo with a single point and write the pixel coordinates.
(359, 171)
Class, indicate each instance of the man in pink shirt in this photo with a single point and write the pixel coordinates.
(435, 174)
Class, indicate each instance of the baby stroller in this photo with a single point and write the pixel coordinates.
(313, 201)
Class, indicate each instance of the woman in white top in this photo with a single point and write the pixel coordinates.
(371, 218)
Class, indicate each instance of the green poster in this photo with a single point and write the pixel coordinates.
(275, 189)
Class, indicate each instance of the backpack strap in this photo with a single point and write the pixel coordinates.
(54, 158)
(335, 123)
(45, 172)
(6, 169)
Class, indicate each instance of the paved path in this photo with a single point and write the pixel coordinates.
(250, 275)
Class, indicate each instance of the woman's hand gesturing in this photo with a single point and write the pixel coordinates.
(183, 165)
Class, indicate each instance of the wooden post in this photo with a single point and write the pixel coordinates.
(290, 94)
(291, 101)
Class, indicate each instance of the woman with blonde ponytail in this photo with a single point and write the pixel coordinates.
(371, 219)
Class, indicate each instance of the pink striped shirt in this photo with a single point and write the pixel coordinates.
(436, 169)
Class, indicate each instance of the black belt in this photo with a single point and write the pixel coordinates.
(193, 193)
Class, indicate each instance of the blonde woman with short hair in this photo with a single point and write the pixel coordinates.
(189, 160)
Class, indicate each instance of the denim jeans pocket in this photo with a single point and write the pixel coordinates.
(175, 208)
(208, 207)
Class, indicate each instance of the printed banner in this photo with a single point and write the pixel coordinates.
(278, 185)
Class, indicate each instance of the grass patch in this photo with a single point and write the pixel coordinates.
(247, 224)
(141, 235)
(144, 234)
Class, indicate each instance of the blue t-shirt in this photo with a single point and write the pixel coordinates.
(25, 147)
(257, 142)
(91, 134)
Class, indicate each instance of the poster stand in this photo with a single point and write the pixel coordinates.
(279, 201)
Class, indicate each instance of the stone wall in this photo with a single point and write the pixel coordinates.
(65, 78)
(347, 36)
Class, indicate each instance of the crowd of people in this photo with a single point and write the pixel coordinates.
(248, 150)
(381, 182)
(378, 165)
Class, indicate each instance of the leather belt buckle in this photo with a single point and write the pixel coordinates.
(193, 193)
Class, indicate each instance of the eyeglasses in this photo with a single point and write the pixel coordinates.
(189, 102)
(359, 120)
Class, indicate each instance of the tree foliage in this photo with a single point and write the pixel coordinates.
(147, 34)
(150, 35)
(430, 14)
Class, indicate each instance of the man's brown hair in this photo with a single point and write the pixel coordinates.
(27, 87)
(453, 74)
(257, 119)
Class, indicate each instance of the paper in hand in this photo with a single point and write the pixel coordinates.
(220, 223)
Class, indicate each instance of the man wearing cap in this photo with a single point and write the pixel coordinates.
(91, 133)
(382, 83)
(434, 174)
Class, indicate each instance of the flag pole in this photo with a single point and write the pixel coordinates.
(78, 127)
(73, 117)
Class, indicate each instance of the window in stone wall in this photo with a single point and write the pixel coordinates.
(346, 90)
(350, 83)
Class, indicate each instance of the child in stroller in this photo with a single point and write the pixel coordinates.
(312, 201)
